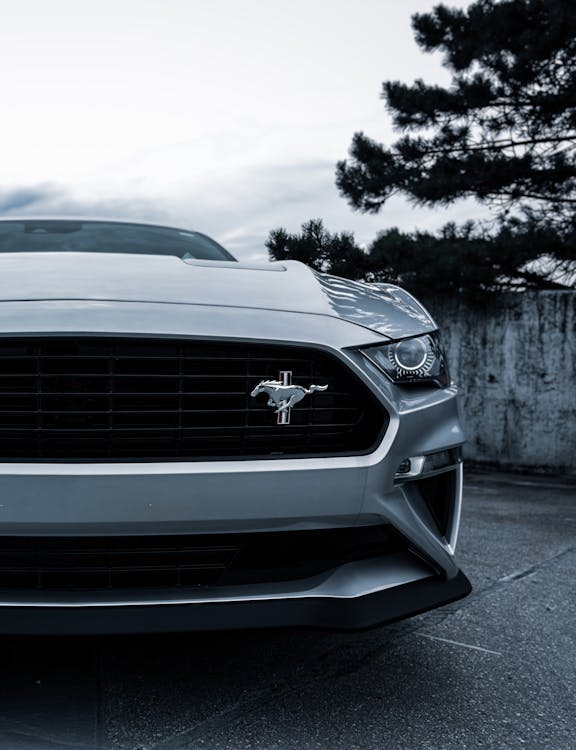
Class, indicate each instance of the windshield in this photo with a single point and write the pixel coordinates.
(53, 235)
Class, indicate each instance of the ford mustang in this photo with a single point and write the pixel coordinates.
(190, 442)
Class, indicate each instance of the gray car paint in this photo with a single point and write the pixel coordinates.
(170, 280)
(95, 294)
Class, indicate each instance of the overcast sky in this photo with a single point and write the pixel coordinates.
(226, 116)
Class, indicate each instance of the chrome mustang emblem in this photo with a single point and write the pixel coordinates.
(283, 395)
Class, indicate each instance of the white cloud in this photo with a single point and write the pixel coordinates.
(227, 116)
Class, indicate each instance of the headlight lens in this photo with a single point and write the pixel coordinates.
(417, 360)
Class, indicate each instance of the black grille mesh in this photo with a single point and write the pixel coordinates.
(172, 562)
(115, 399)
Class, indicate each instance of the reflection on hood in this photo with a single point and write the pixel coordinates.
(367, 304)
(156, 279)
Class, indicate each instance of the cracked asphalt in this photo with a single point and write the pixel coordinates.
(496, 670)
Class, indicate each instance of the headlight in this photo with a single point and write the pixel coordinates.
(418, 360)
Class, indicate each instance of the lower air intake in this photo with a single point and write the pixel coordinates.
(175, 562)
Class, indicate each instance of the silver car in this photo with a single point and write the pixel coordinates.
(190, 442)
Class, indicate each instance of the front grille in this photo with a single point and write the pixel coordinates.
(116, 399)
(65, 563)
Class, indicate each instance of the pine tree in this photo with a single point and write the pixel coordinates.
(337, 254)
(503, 132)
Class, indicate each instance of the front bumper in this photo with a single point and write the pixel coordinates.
(252, 496)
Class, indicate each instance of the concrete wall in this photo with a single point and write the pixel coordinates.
(515, 362)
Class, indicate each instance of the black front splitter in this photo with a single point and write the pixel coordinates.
(356, 613)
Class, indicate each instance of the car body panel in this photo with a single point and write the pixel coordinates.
(91, 317)
(102, 294)
(169, 280)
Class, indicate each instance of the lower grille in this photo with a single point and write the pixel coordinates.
(172, 563)
(116, 399)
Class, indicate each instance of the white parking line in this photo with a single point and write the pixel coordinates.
(457, 643)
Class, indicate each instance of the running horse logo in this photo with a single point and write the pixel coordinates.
(283, 395)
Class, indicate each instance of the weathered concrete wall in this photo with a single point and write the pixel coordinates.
(515, 363)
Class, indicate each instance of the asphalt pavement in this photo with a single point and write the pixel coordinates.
(495, 670)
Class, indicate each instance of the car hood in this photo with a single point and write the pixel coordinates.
(289, 286)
